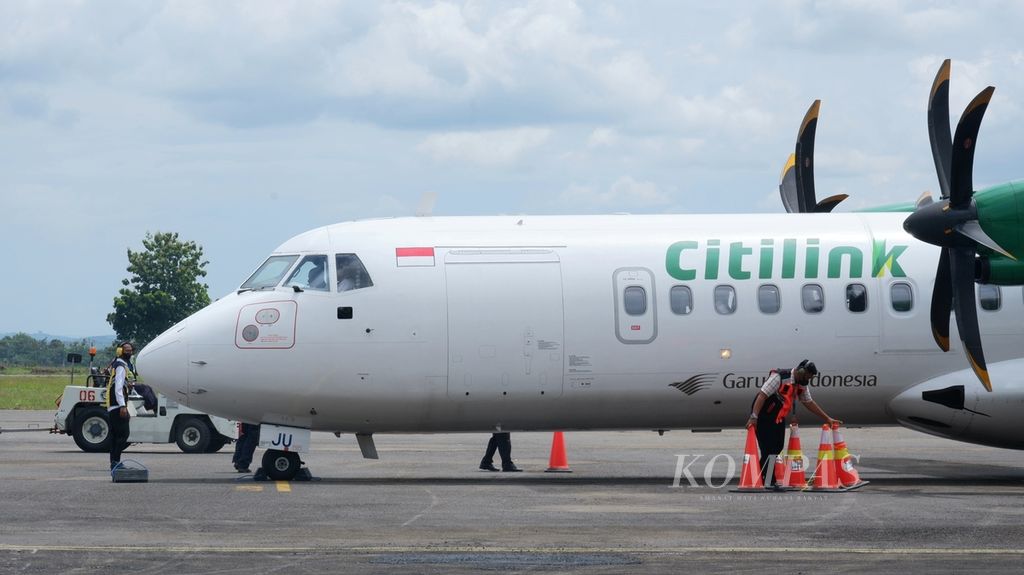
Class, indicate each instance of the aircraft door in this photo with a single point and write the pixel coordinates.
(635, 317)
(505, 324)
(905, 311)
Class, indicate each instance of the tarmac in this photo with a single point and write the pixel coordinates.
(932, 506)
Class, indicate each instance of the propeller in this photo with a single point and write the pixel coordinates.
(797, 183)
(952, 222)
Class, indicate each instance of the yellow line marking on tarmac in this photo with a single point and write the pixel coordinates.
(284, 487)
(256, 488)
(541, 550)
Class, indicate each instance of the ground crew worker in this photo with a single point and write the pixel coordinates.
(117, 402)
(502, 443)
(775, 401)
(248, 439)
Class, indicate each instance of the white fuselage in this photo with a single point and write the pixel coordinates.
(532, 323)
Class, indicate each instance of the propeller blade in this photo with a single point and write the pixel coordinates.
(924, 199)
(961, 177)
(805, 158)
(942, 302)
(962, 270)
(972, 229)
(787, 185)
(938, 127)
(828, 204)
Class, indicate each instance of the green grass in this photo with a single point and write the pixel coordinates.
(37, 370)
(33, 391)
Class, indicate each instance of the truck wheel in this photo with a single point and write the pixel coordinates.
(281, 465)
(193, 435)
(92, 429)
(217, 443)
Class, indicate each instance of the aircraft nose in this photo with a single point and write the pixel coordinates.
(163, 364)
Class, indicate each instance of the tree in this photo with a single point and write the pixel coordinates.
(163, 288)
(23, 349)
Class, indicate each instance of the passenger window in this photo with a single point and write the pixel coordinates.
(681, 300)
(725, 299)
(635, 300)
(768, 299)
(856, 298)
(902, 297)
(270, 273)
(351, 273)
(813, 298)
(990, 297)
(311, 274)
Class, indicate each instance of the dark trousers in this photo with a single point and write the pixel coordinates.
(502, 443)
(248, 439)
(119, 432)
(771, 438)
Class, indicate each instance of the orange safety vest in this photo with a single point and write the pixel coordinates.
(787, 393)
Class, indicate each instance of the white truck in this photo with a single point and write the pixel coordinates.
(82, 415)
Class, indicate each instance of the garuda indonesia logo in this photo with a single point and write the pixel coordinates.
(695, 383)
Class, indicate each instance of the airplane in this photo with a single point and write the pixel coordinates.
(625, 322)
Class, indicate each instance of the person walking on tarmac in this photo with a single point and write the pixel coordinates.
(117, 402)
(502, 443)
(775, 401)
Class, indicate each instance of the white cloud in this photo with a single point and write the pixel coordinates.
(495, 148)
(732, 108)
(625, 194)
(602, 138)
(630, 78)
(689, 146)
(738, 35)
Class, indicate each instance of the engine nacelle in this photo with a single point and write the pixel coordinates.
(999, 270)
(957, 407)
(1001, 214)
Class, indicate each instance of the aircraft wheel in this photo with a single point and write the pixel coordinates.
(193, 435)
(281, 465)
(92, 430)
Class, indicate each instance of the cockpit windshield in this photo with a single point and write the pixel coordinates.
(351, 273)
(311, 273)
(270, 273)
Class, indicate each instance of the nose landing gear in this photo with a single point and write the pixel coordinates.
(282, 465)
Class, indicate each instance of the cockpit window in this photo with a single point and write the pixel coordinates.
(311, 274)
(270, 273)
(351, 273)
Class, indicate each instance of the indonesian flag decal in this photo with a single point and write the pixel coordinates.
(414, 257)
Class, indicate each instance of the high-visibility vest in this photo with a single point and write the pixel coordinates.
(111, 396)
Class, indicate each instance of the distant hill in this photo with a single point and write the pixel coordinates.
(99, 341)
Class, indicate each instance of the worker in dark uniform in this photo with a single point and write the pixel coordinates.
(248, 439)
(117, 402)
(774, 402)
(502, 443)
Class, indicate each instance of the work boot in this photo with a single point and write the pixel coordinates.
(488, 467)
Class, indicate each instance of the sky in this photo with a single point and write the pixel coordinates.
(239, 124)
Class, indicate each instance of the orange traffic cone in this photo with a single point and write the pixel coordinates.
(558, 462)
(780, 472)
(845, 471)
(825, 478)
(750, 477)
(796, 476)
